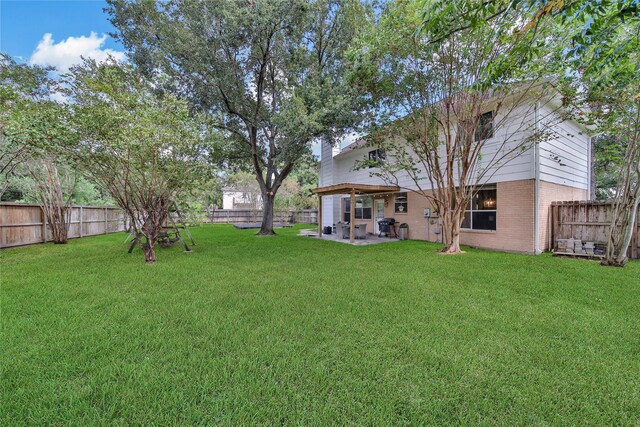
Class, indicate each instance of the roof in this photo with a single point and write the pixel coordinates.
(347, 188)
(359, 143)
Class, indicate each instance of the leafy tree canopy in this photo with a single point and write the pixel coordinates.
(269, 72)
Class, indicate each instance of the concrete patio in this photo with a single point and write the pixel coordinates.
(372, 239)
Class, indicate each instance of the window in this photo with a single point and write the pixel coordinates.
(377, 156)
(363, 208)
(484, 128)
(347, 210)
(481, 213)
(400, 203)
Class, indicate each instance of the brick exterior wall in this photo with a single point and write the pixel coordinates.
(515, 224)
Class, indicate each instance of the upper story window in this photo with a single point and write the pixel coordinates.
(482, 211)
(484, 129)
(377, 155)
(400, 203)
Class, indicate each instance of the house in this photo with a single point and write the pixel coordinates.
(244, 197)
(511, 209)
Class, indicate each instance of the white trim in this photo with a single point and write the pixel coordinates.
(589, 166)
(536, 157)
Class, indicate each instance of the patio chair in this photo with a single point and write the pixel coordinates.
(346, 231)
(361, 231)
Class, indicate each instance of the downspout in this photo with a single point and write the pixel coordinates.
(536, 165)
(590, 177)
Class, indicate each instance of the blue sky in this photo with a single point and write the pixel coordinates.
(75, 27)
(58, 33)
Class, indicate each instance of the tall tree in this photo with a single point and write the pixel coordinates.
(31, 124)
(22, 88)
(449, 105)
(143, 147)
(602, 79)
(612, 90)
(608, 152)
(269, 72)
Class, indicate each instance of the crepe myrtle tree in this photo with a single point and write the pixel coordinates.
(603, 85)
(627, 198)
(141, 145)
(453, 110)
(270, 73)
(613, 94)
(31, 126)
(620, 109)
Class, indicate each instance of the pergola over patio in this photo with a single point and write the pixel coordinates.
(353, 190)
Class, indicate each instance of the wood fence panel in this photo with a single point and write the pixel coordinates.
(20, 225)
(243, 216)
(74, 225)
(588, 221)
(23, 224)
(93, 221)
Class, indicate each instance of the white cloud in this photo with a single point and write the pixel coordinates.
(66, 53)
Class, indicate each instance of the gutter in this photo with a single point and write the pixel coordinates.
(590, 172)
(536, 165)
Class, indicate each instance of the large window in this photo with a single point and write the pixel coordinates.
(400, 203)
(363, 208)
(484, 129)
(481, 212)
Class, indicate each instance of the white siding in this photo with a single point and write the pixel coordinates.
(509, 135)
(231, 200)
(330, 204)
(227, 200)
(564, 159)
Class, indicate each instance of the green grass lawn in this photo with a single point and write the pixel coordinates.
(289, 330)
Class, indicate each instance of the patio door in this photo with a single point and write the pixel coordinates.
(379, 214)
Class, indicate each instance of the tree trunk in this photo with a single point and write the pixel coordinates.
(621, 232)
(266, 229)
(151, 231)
(149, 249)
(453, 244)
(57, 218)
(625, 208)
(49, 189)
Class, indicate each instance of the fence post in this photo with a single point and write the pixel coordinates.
(106, 223)
(80, 221)
(554, 226)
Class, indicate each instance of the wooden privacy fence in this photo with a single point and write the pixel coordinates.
(24, 224)
(239, 216)
(588, 221)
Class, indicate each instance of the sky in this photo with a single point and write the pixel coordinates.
(58, 33)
